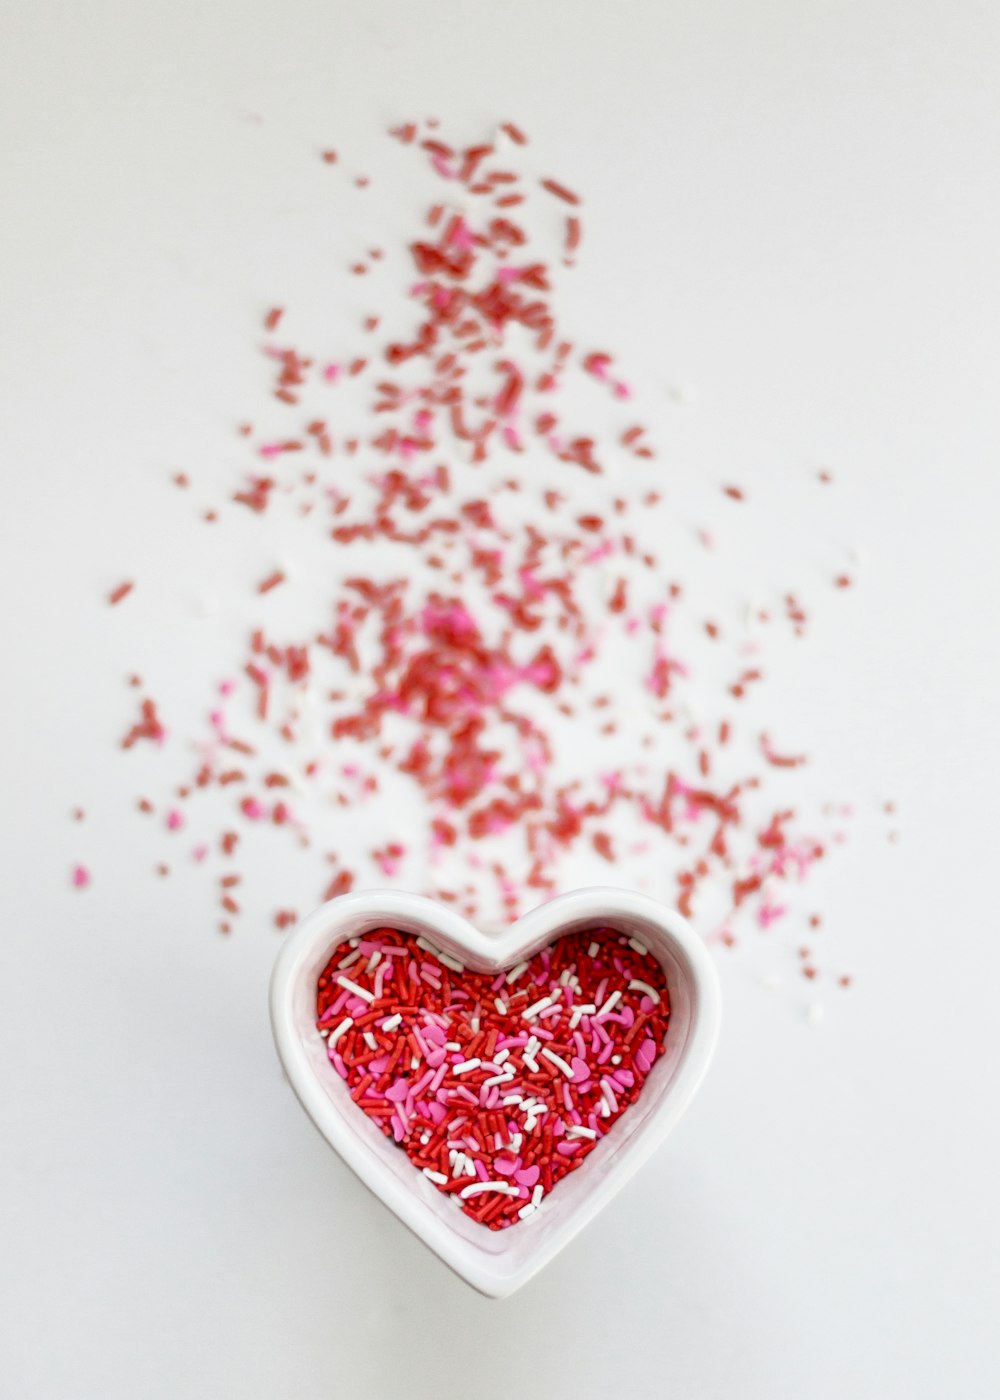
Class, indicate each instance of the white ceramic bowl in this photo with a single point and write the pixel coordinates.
(496, 1262)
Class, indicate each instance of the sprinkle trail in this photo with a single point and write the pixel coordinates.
(500, 640)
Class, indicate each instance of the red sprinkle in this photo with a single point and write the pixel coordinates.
(271, 581)
(560, 191)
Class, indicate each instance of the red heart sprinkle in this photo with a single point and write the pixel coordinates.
(496, 1085)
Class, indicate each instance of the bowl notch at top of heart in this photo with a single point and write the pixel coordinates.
(496, 1263)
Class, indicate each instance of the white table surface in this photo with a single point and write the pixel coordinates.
(809, 193)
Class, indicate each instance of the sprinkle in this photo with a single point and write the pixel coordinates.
(355, 989)
(81, 877)
(122, 591)
(537, 1007)
(560, 191)
(637, 985)
(438, 1178)
(516, 972)
(391, 1022)
(340, 1030)
(557, 1061)
(466, 1066)
(504, 1188)
(611, 1003)
(638, 946)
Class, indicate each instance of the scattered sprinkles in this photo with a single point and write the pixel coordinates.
(493, 1111)
(502, 644)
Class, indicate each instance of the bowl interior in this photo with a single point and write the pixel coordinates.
(501, 1253)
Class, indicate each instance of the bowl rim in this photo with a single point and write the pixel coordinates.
(325, 927)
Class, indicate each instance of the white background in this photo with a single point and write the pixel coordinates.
(793, 210)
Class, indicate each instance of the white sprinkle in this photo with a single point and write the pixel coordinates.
(500, 1056)
(338, 1031)
(428, 947)
(638, 946)
(593, 950)
(511, 1099)
(637, 985)
(453, 963)
(465, 1066)
(578, 1014)
(370, 1040)
(536, 1007)
(452, 1045)
(374, 961)
(391, 1022)
(469, 1167)
(530, 1061)
(574, 1130)
(498, 1079)
(504, 1187)
(516, 972)
(515, 1141)
(438, 1178)
(474, 1023)
(611, 1003)
(558, 1061)
(501, 1006)
(414, 1062)
(564, 976)
(536, 1195)
(616, 1059)
(425, 1138)
(526, 1210)
(351, 957)
(324, 1033)
(358, 991)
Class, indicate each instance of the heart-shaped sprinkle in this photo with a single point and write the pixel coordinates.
(496, 1085)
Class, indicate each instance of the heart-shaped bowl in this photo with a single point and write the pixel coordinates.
(496, 1262)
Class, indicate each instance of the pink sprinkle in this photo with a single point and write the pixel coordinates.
(175, 819)
(81, 877)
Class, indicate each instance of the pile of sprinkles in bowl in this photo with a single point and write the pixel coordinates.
(496, 1085)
